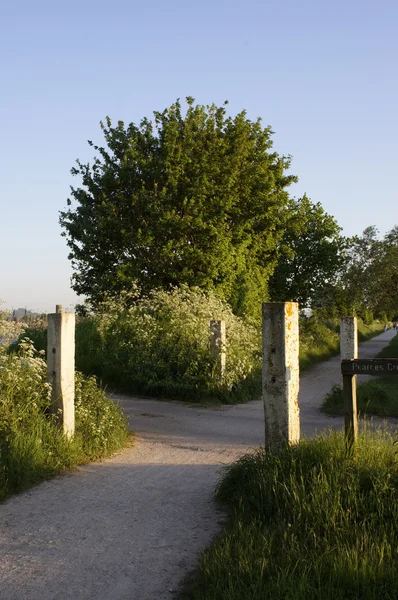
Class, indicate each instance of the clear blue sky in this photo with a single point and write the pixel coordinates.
(322, 74)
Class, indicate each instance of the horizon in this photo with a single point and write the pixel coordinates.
(320, 75)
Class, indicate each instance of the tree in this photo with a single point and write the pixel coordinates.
(312, 255)
(199, 199)
(371, 279)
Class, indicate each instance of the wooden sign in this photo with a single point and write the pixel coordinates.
(370, 366)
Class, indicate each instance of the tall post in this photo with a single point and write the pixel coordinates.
(348, 350)
(281, 373)
(61, 367)
(217, 348)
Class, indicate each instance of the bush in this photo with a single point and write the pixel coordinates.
(159, 344)
(319, 338)
(101, 426)
(32, 446)
(9, 330)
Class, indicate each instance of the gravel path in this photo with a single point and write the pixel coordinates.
(131, 527)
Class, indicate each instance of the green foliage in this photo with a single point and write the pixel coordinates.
(197, 199)
(319, 338)
(371, 279)
(37, 335)
(320, 335)
(160, 344)
(367, 316)
(88, 346)
(10, 330)
(312, 256)
(375, 397)
(101, 427)
(32, 446)
(379, 396)
(307, 523)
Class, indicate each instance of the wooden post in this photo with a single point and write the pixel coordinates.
(281, 373)
(350, 409)
(217, 348)
(61, 367)
(349, 350)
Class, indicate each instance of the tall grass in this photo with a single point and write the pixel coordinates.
(307, 522)
(32, 446)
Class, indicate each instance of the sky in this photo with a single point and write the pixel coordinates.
(322, 74)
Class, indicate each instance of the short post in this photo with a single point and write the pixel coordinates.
(348, 350)
(281, 373)
(217, 348)
(61, 367)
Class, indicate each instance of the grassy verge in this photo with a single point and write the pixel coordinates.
(379, 396)
(320, 339)
(306, 523)
(32, 446)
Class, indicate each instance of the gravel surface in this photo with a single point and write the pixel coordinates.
(131, 527)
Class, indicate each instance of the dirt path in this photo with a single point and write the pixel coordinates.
(130, 528)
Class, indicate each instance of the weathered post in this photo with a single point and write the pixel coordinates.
(348, 338)
(61, 367)
(217, 348)
(349, 350)
(281, 373)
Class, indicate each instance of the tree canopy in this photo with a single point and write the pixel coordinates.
(371, 280)
(312, 255)
(198, 198)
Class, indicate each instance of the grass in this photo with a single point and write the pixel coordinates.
(32, 446)
(379, 396)
(306, 522)
(320, 339)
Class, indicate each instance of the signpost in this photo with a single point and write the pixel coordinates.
(370, 366)
(360, 366)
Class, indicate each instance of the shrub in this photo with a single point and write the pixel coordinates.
(101, 426)
(9, 330)
(319, 338)
(32, 445)
(160, 343)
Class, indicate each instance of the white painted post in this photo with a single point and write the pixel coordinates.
(217, 348)
(61, 367)
(281, 373)
(349, 349)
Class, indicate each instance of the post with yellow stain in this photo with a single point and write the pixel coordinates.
(61, 367)
(281, 373)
